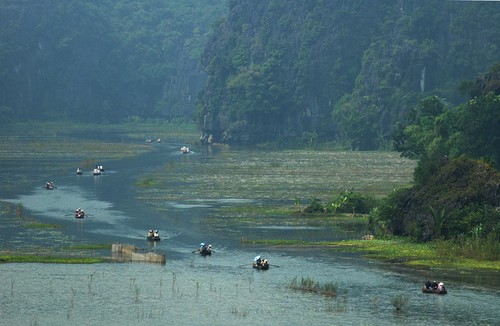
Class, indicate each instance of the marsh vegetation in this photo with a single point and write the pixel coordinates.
(309, 285)
(233, 212)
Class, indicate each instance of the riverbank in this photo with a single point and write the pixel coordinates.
(254, 176)
(396, 251)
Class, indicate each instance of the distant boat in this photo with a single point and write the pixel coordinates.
(98, 170)
(434, 291)
(184, 150)
(205, 249)
(79, 213)
(79, 171)
(153, 235)
(261, 264)
(434, 288)
(49, 186)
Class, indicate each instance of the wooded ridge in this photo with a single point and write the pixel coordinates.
(248, 72)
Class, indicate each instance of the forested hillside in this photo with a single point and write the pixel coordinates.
(249, 72)
(341, 71)
(102, 60)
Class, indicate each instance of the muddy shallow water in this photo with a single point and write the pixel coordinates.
(192, 290)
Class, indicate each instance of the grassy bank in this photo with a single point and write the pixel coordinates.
(18, 258)
(397, 251)
(134, 129)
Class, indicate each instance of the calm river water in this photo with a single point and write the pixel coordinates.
(192, 290)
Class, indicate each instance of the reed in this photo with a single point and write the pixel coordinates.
(99, 246)
(461, 253)
(40, 225)
(309, 285)
(399, 302)
(20, 210)
(50, 259)
(476, 248)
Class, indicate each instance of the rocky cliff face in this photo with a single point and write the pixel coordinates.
(343, 71)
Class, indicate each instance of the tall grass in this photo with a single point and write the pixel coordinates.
(399, 301)
(50, 259)
(308, 284)
(462, 253)
(469, 247)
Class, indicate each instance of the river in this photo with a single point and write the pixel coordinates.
(189, 289)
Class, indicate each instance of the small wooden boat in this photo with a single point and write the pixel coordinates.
(434, 291)
(434, 288)
(205, 249)
(79, 213)
(184, 150)
(205, 252)
(79, 171)
(49, 186)
(153, 235)
(98, 170)
(261, 264)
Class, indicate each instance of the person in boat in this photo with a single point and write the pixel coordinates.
(434, 285)
(441, 287)
(79, 213)
(258, 261)
(150, 233)
(156, 234)
(202, 247)
(428, 284)
(49, 185)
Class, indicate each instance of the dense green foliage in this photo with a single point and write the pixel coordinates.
(346, 202)
(459, 199)
(102, 60)
(344, 71)
(434, 130)
(289, 71)
(457, 188)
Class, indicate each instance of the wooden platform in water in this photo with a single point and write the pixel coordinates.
(122, 252)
